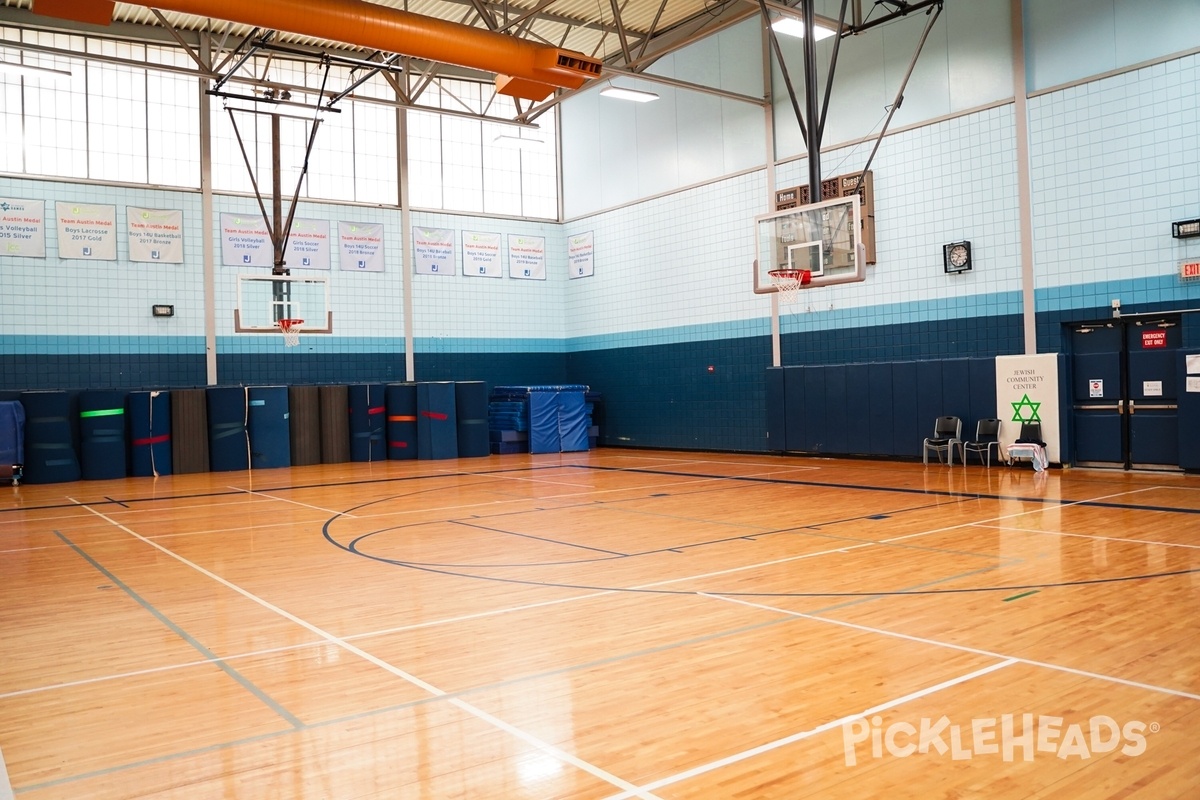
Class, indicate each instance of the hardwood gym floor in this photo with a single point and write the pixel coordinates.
(612, 624)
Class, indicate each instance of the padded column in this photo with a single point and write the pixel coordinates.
(401, 420)
(267, 427)
(367, 419)
(49, 453)
(304, 430)
(189, 431)
(437, 422)
(471, 411)
(149, 416)
(335, 424)
(102, 435)
(228, 444)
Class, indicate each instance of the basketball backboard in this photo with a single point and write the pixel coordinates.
(263, 300)
(822, 238)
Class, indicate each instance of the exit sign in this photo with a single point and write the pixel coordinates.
(1189, 269)
(1154, 339)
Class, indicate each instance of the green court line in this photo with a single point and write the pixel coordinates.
(1023, 594)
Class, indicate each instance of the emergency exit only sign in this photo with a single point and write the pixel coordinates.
(1154, 339)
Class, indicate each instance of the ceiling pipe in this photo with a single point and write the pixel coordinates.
(523, 68)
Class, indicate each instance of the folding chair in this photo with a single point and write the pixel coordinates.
(987, 438)
(947, 434)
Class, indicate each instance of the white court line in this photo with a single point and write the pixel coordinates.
(808, 734)
(263, 494)
(478, 713)
(1094, 536)
(962, 648)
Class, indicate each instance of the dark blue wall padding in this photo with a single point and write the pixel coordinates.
(1189, 414)
(367, 420)
(149, 416)
(836, 418)
(544, 434)
(814, 410)
(572, 421)
(12, 435)
(304, 425)
(881, 414)
(401, 420)
(49, 453)
(437, 420)
(776, 410)
(268, 427)
(911, 428)
(471, 411)
(858, 409)
(228, 444)
(102, 435)
(797, 420)
(335, 424)
(189, 431)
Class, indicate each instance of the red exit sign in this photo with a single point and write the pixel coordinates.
(1189, 269)
(1154, 339)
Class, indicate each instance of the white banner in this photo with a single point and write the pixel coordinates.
(360, 246)
(87, 231)
(580, 255)
(308, 245)
(22, 228)
(245, 242)
(481, 255)
(527, 257)
(433, 251)
(1027, 391)
(155, 234)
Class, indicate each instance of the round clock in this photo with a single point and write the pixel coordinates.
(957, 256)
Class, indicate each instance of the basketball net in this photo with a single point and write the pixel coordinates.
(290, 328)
(789, 282)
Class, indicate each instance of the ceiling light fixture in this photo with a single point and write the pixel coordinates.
(790, 26)
(636, 95)
(29, 71)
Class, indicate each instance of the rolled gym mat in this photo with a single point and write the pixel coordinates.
(49, 453)
(304, 429)
(437, 423)
(189, 431)
(149, 415)
(228, 442)
(102, 435)
(267, 427)
(335, 424)
(471, 410)
(401, 420)
(367, 419)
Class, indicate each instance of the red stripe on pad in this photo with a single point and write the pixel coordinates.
(152, 440)
(435, 415)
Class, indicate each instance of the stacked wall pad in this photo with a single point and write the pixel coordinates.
(508, 420)
(304, 407)
(401, 420)
(102, 435)
(437, 421)
(189, 431)
(335, 424)
(367, 419)
(267, 427)
(149, 415)
(49, 452)
(228, 444)
(12, 438)
(557, 420)
(471, 410)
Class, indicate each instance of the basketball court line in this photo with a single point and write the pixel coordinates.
(478, 713)
(1092, 536)
(259, 493)
(822, 728)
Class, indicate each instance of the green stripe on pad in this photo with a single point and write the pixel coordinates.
(105, 412)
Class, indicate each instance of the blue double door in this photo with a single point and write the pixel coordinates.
(1125, 405)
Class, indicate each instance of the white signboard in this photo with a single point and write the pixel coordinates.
(1193, 383)
(1096, 388)
(360, 246)
(481, 255)
(527, 257)
(155, 234)
(1192, 362)
(22, 228)
(433, 251)
(245, 242)
(1152, 388)
(307, 245)
(1027, 391)
(87, 231)
(581, 255)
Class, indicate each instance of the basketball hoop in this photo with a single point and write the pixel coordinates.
(290, 328)
(788, 282)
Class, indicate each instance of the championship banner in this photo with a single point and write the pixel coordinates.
(481, 255)
(360, 246)
(87, 231)
(527, 257)
(245, 242)
(308, 245)
(155, 234)
(22, 228)
(580, 255)
(433, 251)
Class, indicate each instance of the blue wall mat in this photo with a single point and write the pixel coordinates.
(858, 409)
(437, 421)
(228, 444)
(49, 450)
(544, 434)
(102, 435)
(102, 370)
(797, 408)
(956, 389)
(911, 428)
(12, 434)
(930, 402)
(268, 428)
(816, 427)
(836, 417)
(471, 410)
(367, 420)
(983, 393)
(776, 410)
(289, 367)
(149, 416)
(881, 412)
(572, 421)
(401, 420)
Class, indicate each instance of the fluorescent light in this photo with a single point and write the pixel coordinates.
(635, 95)
(508, 140)
(790, 26)
(27, 71)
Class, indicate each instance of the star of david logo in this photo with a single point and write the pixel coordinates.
(4, 206)
(1025, 410)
